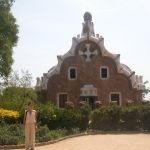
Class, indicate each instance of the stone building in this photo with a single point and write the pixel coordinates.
(88, 72)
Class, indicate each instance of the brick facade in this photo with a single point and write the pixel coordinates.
(88, 73)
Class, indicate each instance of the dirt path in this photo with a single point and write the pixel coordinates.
(114, 141)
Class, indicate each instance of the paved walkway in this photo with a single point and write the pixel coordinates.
(133, 141)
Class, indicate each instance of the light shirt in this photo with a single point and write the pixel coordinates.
(30, 117)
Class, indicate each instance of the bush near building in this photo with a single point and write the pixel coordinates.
(55, 118)
(108, 118)
(12, 134)
(54, 123)
(48, 114)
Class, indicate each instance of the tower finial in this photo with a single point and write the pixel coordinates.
(87, 16)
(88, 26)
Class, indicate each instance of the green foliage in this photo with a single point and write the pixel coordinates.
(11, 134)
(67, 118)
(43, 134)
(17, 98)
(74, 130)
(5, 5)
(85, 111)
(146, 90)
(106, 118)
(17, 91)
(130, 117)
(147, 103)
(121, 118)
(8, 37)
(145, 117)
(46, 113)
(14, 80)
(55, 118)
(59, 133)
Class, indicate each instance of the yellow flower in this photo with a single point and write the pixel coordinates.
(8, 114)
(54, 116)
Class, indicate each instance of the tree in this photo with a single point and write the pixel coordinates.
(15, 81)
(17, 91)
(146, 90)
(8, 37)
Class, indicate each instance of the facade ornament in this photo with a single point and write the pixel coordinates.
(88, 53)
(88, 26)
(38, 84)
(38, 81)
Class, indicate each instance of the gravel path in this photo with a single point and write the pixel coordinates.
(133, 141)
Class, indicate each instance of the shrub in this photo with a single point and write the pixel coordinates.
(11, 134)
(105, 118)
(59, 133)
(145, 117)
(114, 113)
(43, 134)
(130, 118)
(66, 119)
(8, 140)
(85, 111)
(8, 116)
(123, 118)
(74, 130)
(55, 118)
(45, 112)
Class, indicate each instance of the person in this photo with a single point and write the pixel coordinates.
(30, 125)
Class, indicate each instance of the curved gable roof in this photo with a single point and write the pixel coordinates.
(89, 34)
(136, 81)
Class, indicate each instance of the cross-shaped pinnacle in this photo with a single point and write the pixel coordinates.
(88, 53)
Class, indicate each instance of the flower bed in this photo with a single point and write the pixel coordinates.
(8, 115)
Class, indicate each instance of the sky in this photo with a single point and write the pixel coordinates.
(46, 29)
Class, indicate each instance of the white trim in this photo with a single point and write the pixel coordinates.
(69, 73)
(120, 98)
(100, 41)
(105, 67)
(88, 90)
(57, 97)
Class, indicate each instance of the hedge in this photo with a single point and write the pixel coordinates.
(121, 118)
(12, 134)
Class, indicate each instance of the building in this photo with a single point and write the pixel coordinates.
(88, 72)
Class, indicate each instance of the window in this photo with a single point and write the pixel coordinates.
(104, 72)
(62, 100)
(115, 97)
(72, 73)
